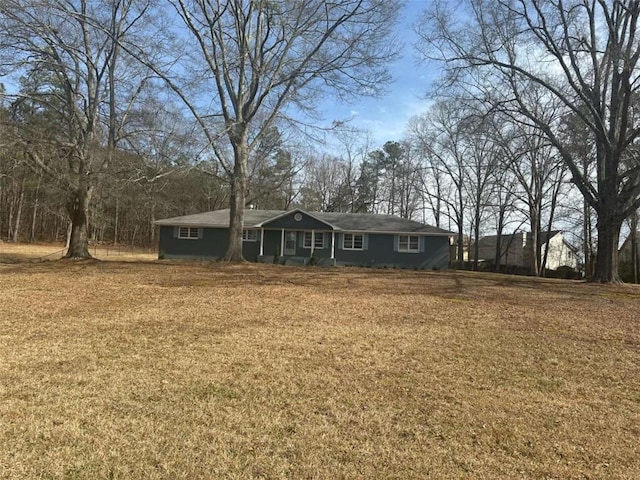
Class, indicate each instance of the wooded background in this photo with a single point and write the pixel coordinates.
(104, 128)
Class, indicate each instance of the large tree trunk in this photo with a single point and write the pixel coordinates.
(236, 207)
(79, 212)
(606, 268)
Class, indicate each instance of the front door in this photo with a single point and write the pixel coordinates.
(290, 243)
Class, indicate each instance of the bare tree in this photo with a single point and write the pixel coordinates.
(263, 61)
(72, 66)
(326, 185)
(583, 54)
(540, 175)
(442, 135)
(483, 161)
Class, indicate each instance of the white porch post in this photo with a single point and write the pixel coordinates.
(333, 244)
(282, 243)
(313, 241)
(261, 242)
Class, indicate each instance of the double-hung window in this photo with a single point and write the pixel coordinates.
(250, 235)
(188, 232)
(317, 239)
(353, 241)
(409, 243)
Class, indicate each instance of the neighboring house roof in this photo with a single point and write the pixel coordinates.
(510, 239)
(626, 245)
(490, 240)
(629, 239)
(350, 222)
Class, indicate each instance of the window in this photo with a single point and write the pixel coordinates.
(318, 240)
(188, 232)
(249, 235)
(353, 241)
(409, 243)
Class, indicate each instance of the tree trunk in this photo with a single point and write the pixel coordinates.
(460, 248)
(152, 229)
(116, 221)
(533, 240)
(79, 212)
(476, 233)
(36, 204)
(16, 230)
(634, 245)
(606, 268)
(499, 229)
(552, 212)
(237, 200)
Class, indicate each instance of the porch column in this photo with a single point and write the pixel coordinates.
(333, 244)
(282, 243)
(261, 242)
(313, 240)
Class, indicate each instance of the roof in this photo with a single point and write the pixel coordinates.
(507, 239)
(628, 240)
(351, 222)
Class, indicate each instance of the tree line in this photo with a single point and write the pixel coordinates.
(120, 112)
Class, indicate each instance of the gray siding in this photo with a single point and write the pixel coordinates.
(251, 250)
(273, 243)
(380, 250)
(289, 223)
(272, 240)
(211, 245)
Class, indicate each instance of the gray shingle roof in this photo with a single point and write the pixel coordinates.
(352, 222)
(219, 218)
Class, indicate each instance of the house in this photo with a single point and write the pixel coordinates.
(626, 269)
(516, 251)
(624, 254)
(294, 236)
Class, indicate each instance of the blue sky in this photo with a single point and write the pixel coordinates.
(386, 117)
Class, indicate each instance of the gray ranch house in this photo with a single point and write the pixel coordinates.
(294, 236)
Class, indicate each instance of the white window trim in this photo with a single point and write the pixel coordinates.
(409, 249)
(189, 231)
(249, 235)
(313, 240)
(353, 241)
(304, 240)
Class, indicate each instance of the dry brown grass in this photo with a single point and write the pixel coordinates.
(46, 252)
(162, 370)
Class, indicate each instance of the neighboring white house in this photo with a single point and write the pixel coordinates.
(516, 250)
